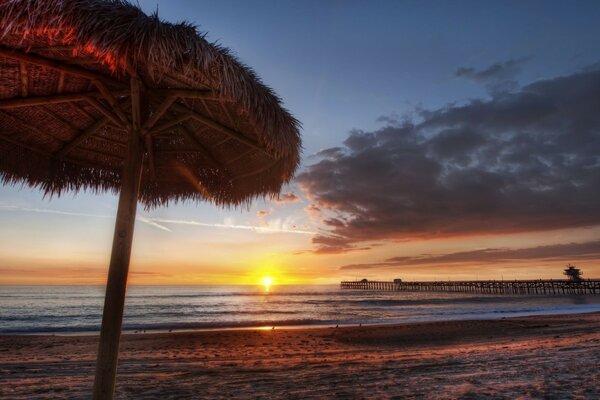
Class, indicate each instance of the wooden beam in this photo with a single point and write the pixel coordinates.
(32, 128)
(81, 163)
(25, 146)
(136, 118)
(29, 58)
(239, 156)
(222, 141)
(42, 100)
(52, 48)
(158, 113)
(107, 113)
(101, 153)
(229, 119)
(46, 100)
(171, 97)
(81, 137)
(256, 171)
(201, 148)
(116, 127)
(83, 112)
(61, 82)
(110, 140)
(178, 151)
(184, 81)
(112, 101)
(24, 79)
(189, 94)
(170, 123)
(58, 118)
(207, 108)
(221, 128)
(148, 141)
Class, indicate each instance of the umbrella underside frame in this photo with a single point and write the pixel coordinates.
(173, 117)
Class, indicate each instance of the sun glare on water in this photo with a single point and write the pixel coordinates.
(267, 281)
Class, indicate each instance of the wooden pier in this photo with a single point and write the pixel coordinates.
(532, 287)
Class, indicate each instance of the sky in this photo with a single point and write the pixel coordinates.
(441, 140)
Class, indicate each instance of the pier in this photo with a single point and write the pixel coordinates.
(539, 286)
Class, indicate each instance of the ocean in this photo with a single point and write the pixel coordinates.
(78, 309)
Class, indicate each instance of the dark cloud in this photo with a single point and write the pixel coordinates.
(287, 198)
(501, 70)
(332, 152)
(558, 252)
(523, 161)
(328, 244)
(497, 77)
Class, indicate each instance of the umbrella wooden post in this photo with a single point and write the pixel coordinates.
(114, 301)
(215, 132)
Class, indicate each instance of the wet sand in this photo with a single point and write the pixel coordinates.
(544, 357)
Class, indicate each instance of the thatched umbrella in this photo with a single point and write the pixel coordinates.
(96, 95)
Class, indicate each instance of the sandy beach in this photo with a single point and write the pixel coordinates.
(543, 357)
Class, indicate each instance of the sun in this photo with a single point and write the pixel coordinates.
(267, 281)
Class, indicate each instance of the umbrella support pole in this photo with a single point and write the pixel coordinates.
(114, 301)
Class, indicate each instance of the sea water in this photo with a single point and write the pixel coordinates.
(78, 309)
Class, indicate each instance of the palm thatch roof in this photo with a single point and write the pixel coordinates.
(213, 130)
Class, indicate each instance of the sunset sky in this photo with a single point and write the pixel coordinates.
(442, 140)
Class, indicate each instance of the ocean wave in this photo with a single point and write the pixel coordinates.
(148, 315)
(163, 326)
(73, 310)
(430, 301)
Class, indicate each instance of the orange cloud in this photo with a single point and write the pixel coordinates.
(287, 198)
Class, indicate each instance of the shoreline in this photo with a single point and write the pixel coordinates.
(534, 357)
(311, 328)
(142, 331)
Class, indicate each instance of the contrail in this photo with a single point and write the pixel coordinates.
(75, 214)
(153, 223)
(158, 222)
(265, 229)
(47, 211)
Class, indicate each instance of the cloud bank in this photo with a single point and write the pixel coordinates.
(556, 252)
(523, 161)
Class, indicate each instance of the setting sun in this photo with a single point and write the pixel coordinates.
(267, 281)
